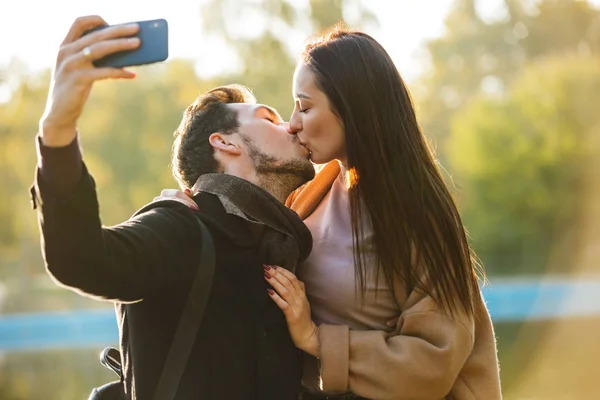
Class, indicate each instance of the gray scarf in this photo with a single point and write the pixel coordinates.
(284, 239)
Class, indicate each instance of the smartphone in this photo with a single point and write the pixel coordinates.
(154, 46)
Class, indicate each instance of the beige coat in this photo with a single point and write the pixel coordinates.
(429, 356)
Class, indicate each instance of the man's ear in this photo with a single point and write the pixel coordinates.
(224, 143)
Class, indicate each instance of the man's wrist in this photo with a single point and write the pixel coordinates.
(53, 135)
(59, 168)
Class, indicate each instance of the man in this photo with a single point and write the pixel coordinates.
(240, 162)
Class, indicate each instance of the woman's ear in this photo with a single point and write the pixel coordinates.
(224, 143)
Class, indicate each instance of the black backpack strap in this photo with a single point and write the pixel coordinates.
(189, 323)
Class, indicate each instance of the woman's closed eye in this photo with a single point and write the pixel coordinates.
(301, 109)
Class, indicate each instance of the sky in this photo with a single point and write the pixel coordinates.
(32, 30)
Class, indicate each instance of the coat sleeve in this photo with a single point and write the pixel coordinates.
(421, 360)
(145, 255)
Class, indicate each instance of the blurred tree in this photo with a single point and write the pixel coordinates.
(475, 56)
(562, 26)
(265, 49)
(17, 156)
(523, 160)
(325, 13)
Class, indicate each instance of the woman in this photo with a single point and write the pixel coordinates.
(388, 241)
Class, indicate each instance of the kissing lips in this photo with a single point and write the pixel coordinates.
(295, 139)
(308, 152)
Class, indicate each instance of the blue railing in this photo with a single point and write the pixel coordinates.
(507, 300)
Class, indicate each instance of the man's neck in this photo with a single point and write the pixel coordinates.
(279, 186)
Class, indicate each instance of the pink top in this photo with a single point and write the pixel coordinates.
(328, 273)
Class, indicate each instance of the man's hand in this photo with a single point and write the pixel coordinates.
(73, 75)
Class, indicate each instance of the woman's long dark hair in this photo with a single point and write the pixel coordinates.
(418, 235)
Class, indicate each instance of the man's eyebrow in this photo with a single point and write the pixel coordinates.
(269, 110)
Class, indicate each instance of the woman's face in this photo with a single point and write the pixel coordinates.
(317, 127)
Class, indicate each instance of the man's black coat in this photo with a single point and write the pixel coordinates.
(147, 264)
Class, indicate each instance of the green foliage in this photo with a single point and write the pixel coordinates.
(523, 159)
(17, 158)
(503, 132)
(477, 57)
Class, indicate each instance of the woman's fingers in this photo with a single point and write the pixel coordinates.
(288, 293)
(285, 307)
(282, 285)
(290, 277)
(184, 197)
(287, 285)
(286, 277)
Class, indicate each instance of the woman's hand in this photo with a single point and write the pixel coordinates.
(185, 197)
(290, 296)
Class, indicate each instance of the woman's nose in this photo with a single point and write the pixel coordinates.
(295, 123)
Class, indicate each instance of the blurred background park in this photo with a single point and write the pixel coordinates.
(507, 90)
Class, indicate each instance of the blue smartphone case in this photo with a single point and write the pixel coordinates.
(154, 46)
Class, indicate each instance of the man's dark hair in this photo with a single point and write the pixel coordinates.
(192, 153)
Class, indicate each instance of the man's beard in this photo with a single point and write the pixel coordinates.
(277, 176)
